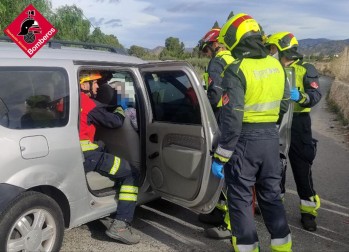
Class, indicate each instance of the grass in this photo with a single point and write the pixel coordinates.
(333, 107)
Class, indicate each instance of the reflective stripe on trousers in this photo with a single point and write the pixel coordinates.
(282, 244)
(310, 206)
(245, 247)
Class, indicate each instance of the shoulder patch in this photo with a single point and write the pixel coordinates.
(225, 99)
(314, 85)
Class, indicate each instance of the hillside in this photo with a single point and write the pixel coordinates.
(324, 47)
(316, 47)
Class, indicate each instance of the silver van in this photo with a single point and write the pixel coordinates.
(43, 186)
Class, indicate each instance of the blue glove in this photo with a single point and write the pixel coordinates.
(217, 169)
(295, 94)
(123, 103)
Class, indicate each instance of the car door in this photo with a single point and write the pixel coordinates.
(180, 133)
(286, 123)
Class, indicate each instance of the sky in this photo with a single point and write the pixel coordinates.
(148, 23)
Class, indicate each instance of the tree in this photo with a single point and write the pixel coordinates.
(71, 24)
(137, 51)
(215, 25)
(231, 14)
(98, 37)
(10, 9)
(173, 49)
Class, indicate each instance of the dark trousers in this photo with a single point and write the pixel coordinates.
(255, 162)
(301, 154)
(102, 162)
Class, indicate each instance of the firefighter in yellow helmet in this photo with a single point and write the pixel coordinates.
(302, 150)
(220, 59)
(255, 95)
(97, 159)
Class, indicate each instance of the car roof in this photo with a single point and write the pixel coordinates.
(10, 50)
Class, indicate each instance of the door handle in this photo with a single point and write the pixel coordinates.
(153, 155)
(153, 138)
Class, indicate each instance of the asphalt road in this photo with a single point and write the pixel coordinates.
(164, 226)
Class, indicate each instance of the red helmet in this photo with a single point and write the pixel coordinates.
(210, 37)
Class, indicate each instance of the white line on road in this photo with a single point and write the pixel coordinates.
(182, 222)
(333, 211)
(331, 231)
(314, 234)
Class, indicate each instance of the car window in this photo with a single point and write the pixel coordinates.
(172, 97)
(34, 98)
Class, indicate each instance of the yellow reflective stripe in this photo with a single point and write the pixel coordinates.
(128, 197)
(311, 206)
(205, 77)
(221, 158)
(220, 103)
(227, 220)
(86, 145)
(263, 106)
(222, 154)
(243, 248)
(120, 111)
(116, 166)
(222, 207)
(282, 244)
(128, 189)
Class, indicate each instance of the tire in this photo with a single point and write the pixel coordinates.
(32, 222)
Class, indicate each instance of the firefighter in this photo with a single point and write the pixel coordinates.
(255, 96)
(220, 59)
(96, 159)
(302, 150)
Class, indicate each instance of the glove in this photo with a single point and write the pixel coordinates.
(217, 169)
(295, 94)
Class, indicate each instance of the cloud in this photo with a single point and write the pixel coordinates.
(113, 22)
(149, 22)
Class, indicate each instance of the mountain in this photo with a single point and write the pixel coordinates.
(316, 47)
(157, 50)
(325, 47)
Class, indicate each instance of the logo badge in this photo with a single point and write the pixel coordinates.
(225, 99)
(30, 30)
(314, 85)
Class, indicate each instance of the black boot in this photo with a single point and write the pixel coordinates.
(216, 217)
(308, 222)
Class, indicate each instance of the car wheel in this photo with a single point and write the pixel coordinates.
(33, 222)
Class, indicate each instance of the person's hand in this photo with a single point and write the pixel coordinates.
(295, 94)
(217, 169)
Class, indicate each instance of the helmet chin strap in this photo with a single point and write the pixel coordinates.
(214, 51)
(90, 91)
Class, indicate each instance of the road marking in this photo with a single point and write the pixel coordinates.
(314, 234)
(331, 231)
(180, 221)
(322, 200)
(177, 236)
(333, 211)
